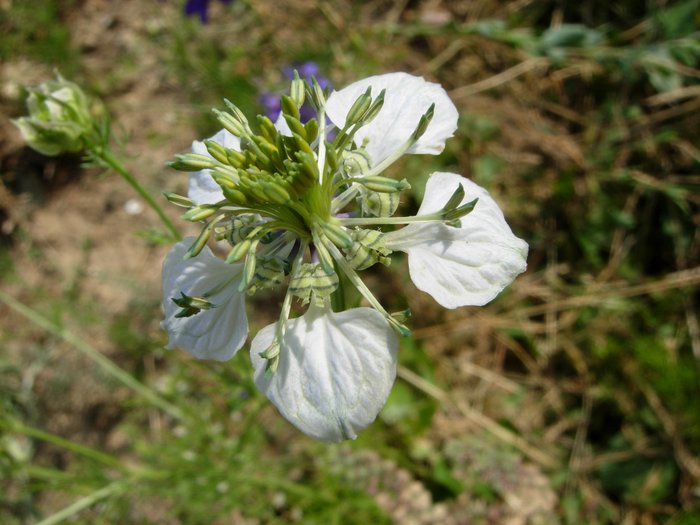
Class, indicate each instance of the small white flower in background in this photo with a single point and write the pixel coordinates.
(297, 207)
(133, 207)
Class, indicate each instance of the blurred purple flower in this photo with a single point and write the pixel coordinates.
(271, 105)
(200, 7)
(307, 70)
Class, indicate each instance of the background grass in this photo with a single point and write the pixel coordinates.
(572, 398)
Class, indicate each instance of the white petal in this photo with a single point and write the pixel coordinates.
(407, 98)
(469, 265)
(335, 370)
(282, 126)
(202, 188)
(217, 333)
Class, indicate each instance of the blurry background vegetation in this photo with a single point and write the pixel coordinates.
(573, 398)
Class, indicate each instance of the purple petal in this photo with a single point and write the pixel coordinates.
(324, 83)
(271, 105)
(306, 113)
(308, 70)
(197, 7)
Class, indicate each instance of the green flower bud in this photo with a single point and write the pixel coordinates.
(359, 107)
(60, 119)
(178, 200)
(423, 123)
(217, 151)
(238, 251)
(298, 90)
(201, 212)
(192, 162)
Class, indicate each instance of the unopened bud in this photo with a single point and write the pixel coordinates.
(289, 107)
(235, 196)
(375, 108)
(238, 251)
(423, 123)
(201, 240)
(311, 128)
(267, 128)
(59, 118)
(249, 268)
(297, 90)
(192, 162)
(178, 200)
(235, 158)
(359, 107)
(201, 212)
(224, 177)
(331, 157)
(230, 123)
(295, 125)
(238, 115)
(191, 305)
(455, 199)
(216, 150)
(453, 216)
(276, 192)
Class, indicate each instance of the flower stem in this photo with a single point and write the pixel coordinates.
(84, 502)
(88, 452)
(109, 160)
(374, 221)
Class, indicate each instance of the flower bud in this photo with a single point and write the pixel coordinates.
(59, 118)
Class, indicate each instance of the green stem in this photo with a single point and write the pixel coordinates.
(84, 502)
(103, 362)
(111, 161)
(106, 459)
(376, 221)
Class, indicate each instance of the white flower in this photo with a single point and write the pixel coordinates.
(461, 266)
(202, 188)
(287, 204)
(217, 333)
(335, 373)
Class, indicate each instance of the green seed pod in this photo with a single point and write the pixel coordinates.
(383, 184)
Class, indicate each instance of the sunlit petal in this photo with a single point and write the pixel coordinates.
(407, 98)
(335, 370)
(217, 333)
(462, 266)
